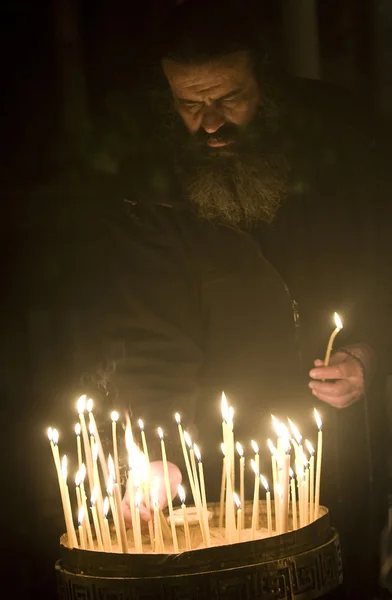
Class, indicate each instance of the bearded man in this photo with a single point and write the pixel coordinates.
(267, 212)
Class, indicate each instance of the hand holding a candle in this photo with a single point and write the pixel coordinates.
(156, 471)
(341, 383)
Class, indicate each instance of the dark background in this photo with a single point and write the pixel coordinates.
(75, 121)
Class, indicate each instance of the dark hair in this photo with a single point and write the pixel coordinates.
(198, 30)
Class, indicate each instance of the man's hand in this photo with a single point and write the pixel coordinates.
(156, 471)
(347, 385)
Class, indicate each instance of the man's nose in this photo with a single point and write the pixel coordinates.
(212, 120)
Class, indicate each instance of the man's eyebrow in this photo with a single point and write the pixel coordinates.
(224, 97)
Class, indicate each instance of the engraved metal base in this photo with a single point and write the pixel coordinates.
(306, 576)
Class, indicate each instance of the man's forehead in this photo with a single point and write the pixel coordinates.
(213, 76)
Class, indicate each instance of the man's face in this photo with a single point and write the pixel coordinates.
(224, 137)
(215, 98)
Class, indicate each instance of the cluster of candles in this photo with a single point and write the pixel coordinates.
(298, 487)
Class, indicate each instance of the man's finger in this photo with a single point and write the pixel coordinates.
(340, 388)
(337, 402)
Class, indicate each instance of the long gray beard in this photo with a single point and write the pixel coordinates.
(236, 190)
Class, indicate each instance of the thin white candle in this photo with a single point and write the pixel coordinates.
(240, 451)
(168, 490)
(300, 481)
(97, 526)
(239, 512)
(268, 501)
(67, 505)
(107, 543)
(78, 431)
(297, 443)
(181, 494)
(82, 538)
(82, 477)
(318, 464)
(293, 500)
(199, 506)
(255, 448)
(203, 494)
(223, 488)
(186, 457)
(285, 493)
(81, 406)
(311, 480)
(102, 460)
(159, 545)
(255, 497)
(338, 327)
(115, 416)
(113, 509)
(274, 480)
(279, 495)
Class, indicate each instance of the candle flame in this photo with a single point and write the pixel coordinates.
(187, 439)
(78, 479)
(309, 447)
(111, 468)
(78, 429)
(319, 422)
(89, 405)
(94, 495)
(197, 452)
(141, 425)
(240, 449)
(95, 452)
(254, 446)
(276, 425)
(177, 418)
(291, 473)
(64, 468)
(231, 416)
(160, 432)
(128, 439)
(295, 431)
(81, 404)
(254, 467)
(50, 434)
(114, 416)
(237, 500)
(225, 407)
(264, 483)
(55, 437)
(223, 449)
(82, 472)
(106, 506)
(181, 493)
(338, 321)
(279, 491)
(272, 448)
(91, 428)
(81, 515)
(305, 461)
(138, 499)
(109, 485)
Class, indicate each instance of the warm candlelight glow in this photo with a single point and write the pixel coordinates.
(55, 437)
(338, 321)
(78, 478)
(197, 452)
(181, 493)
(319, 422)
(254, 467)
(177, 418)
(309, 447)
(223, 449)
(89, 405)
(114, 416)
(187, 439)
(94, 495)
(81, 404)
(50, 434)
(91, 428)
(111, 468)
(264, 483)
(82, 472)
(141, 425)
(160, 432)
(240, 449)
(128, 440)
(236, 500)
(95, 453)
(295, 432)
(138, 499)
(81, 515)
(255, 447)
(224, 407)
(106, 506)
(78, 429)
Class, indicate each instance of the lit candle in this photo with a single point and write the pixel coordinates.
(82, 538)
(186, 457)
(77, 490)
(95, 519)
(223, 487)
(318, 464)
(199, 507)
(78, 430)
(239, 518)
(306, 490)
(300, 485)
(297, 442)
(81, 406)
(102, 460)
(107, 543)
(338, 327)
(279, 495)
(168, 490)
(293, 500)
(255, 497)
(82, 474)
(159, 545)
(67, 506)
(113, 509)
(138, 537)
(240, 451)
(120, 517)
(115, 416)
(97, 485)
(181, 494)
(277, 426)
(268, 500)
(203, 494)
(130, 482)
(311, 480)
(255, 448)
(285, 486)
(274, 456)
